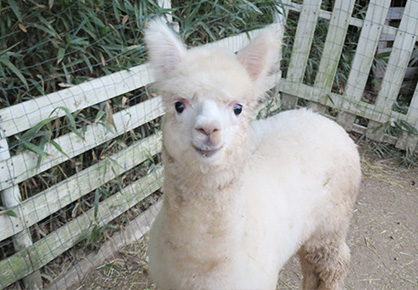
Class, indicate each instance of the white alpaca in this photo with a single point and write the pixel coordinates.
(240, 197)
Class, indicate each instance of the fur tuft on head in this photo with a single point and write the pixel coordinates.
(165, 48)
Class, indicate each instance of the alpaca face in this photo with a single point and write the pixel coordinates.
(208, 94)
(206, 111)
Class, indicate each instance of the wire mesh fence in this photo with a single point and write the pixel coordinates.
(80, 171)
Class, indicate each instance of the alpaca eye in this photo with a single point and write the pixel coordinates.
(179, 107)
(237, 109)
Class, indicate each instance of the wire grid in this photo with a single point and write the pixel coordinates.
(104, 170)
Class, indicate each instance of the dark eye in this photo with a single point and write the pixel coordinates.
(179, 107)
(237, 109)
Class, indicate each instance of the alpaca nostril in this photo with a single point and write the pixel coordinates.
(206, 130)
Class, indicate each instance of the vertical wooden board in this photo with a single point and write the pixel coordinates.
(375, 131)
(363, 59)
(288, 101)
(412, 115)
(283, 7)
(398, 62)
(334, 44)
(166, 4)
(408, 141)
(303, 39)
(21, 241)
(369, 38)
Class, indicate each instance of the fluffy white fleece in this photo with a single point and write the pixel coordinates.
(240, 197)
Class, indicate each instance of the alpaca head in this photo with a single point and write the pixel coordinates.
(208, 94)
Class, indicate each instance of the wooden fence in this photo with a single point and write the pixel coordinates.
(29, 257)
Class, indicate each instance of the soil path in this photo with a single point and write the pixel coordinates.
(383, 239)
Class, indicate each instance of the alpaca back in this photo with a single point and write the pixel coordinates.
(304, 171)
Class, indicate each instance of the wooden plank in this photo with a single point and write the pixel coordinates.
(42, 252)
(25, 163)
(341, 102)
(136, 229)
(288, 101)
(303, 39)
(21, 241)
(69, 190)
(398, 61)
(25, 115)
(283, 10)
(334, 44)
(166, 4)
(395, 13)
(395, 72)
(363, 59)
(408, 141)
(352, 21)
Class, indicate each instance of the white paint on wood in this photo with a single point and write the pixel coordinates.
(363, 59)
(42, 252)
(25, 163)
(398, 62)
(303, 39)
(49, 201)
(334, 44)
(25, 115)
(11, 198)
(131, 233)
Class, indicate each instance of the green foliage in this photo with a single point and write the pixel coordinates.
(208, 20)
(49, 45)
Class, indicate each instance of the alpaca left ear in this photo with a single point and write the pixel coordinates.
(165, 49)
(261, 54)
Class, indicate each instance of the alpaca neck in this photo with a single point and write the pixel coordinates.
(211, 204)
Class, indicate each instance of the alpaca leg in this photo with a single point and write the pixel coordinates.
(329, 262)
(310, 276)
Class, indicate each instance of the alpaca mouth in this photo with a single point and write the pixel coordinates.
(206, 153)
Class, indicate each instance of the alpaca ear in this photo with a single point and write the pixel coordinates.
(261, 54)
(165, 49)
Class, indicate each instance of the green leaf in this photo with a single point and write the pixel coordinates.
(73, 125)
(97, 196)
(61, 54)
(15, 9)
(10, 213)
(58, 147)
(87, 61)
(14, 69)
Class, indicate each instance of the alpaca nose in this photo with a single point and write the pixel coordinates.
(207, 129)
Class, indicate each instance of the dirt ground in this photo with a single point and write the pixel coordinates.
(383, 239)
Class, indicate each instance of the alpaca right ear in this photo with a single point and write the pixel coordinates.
(262, 53)
(165, 48)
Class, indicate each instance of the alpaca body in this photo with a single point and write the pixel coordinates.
(296, 186)
(242, 197)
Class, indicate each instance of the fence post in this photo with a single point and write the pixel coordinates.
(11, 197)
(166, 4)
